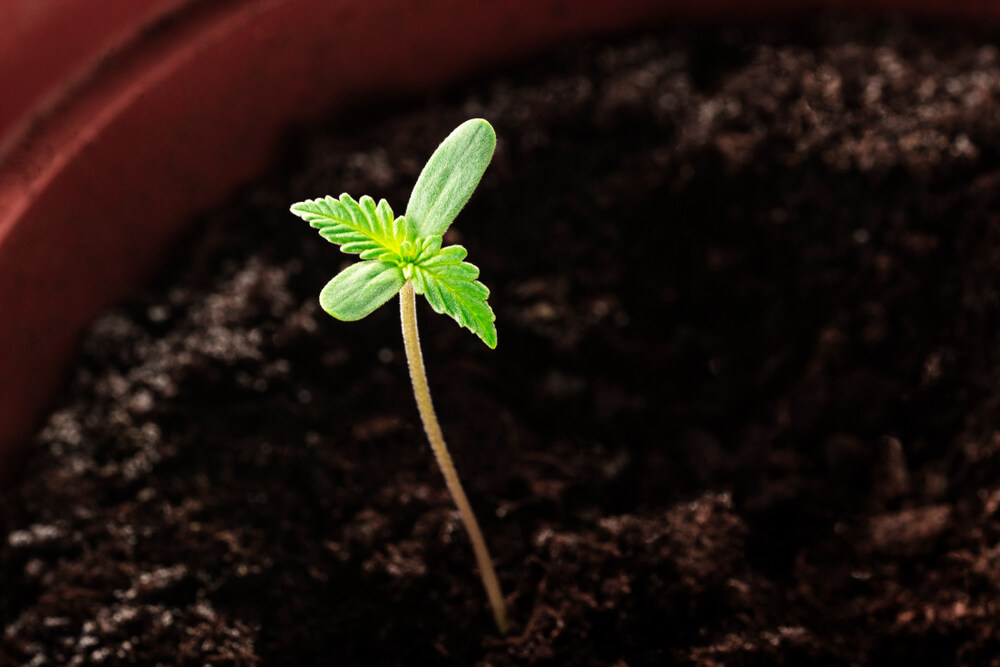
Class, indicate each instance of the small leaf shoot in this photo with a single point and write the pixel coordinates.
(412, 242)
(405, 256)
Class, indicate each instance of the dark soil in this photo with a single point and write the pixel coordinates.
(745, 407)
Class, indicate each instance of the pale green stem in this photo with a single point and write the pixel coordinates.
(415, 358)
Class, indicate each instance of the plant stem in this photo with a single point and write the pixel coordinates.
(415, 359)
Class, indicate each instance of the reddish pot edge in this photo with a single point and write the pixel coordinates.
(88, 31)
(162, 124)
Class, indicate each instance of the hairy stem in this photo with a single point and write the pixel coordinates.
(415, 359)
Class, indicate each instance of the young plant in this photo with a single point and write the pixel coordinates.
(404, 255)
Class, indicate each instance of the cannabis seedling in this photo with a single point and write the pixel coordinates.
(404, 255)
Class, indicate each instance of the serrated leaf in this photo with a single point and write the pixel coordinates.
(361, 288)
(450, 286)
(449, 177)
(358, 227)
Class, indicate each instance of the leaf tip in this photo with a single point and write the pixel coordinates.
(488, 334)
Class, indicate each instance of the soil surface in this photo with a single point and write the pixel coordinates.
(745, 407)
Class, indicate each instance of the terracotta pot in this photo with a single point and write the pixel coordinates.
(121, 119)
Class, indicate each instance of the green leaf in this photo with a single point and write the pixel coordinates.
(361, 288)
(450, 286)
(450, 176)
(358, 227)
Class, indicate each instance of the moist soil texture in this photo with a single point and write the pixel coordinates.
(745, 407)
